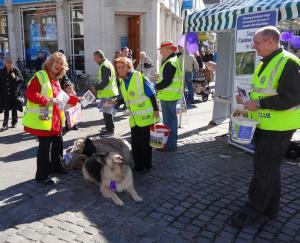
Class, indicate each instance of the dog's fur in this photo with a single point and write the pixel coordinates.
(85, 147)
(102, 168)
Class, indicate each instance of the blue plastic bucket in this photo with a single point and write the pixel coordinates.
(242, 129)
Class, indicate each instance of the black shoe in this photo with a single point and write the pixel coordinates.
(62, 171)
(4, 128)
(106, 133)
(271, 214)
(75, 127)
(13, 125)
(242, 219)
(46, 181)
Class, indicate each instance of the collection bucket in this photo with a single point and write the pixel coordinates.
(159, 135)
(242, 129)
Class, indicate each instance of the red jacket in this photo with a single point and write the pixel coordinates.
(33, 94)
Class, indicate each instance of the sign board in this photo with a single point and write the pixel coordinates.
(246, 58)
(124, 41)
(187, 4)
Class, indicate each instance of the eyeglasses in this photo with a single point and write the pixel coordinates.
(257, 43)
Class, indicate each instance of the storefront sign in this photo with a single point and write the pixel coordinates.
(245, 56)
(28, 1)
(187, 4)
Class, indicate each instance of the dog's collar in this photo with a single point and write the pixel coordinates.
(113, 185)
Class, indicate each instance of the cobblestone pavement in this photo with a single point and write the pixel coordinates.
(189, 196)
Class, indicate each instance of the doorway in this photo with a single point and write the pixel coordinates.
(127, 33)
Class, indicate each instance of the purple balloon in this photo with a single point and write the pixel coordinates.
(192, 37)
(181, 41)
(192, 48)
(295, 42)
(286, 36)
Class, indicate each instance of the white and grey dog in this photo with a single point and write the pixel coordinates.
(112, 174)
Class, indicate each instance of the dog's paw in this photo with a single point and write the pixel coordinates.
(119, 202)
(138, 199)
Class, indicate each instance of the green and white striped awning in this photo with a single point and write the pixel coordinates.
(222, 16)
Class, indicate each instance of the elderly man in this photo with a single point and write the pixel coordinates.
(190, 65)
(107, 88)
(169, 85)
(274, 103)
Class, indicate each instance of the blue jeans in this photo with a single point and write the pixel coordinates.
(170, 120)
(189, 83)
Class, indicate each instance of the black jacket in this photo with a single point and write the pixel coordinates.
(288, 91)
(9, 82)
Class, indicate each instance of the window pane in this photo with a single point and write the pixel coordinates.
(40, 33)
(79, 47)
(78, 30)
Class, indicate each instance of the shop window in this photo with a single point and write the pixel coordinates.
(77, 36)
(39, 33)
(3, 37)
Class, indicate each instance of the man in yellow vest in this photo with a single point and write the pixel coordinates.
(274, 103)
(169, 89)
(106, 88)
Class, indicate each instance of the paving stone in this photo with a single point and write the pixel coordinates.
(15, 239)
(29, 234)
(62, 235)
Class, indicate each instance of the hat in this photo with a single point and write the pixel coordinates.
(168, 44)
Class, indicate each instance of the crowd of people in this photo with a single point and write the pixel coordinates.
(274, 103)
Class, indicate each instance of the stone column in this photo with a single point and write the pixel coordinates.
(11, 31)
(168, 26)
(162, 23)
(173, 30)
(60, 23)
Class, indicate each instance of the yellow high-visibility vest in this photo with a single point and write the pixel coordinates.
(174, 91)
(139, 105)
(32, 112)
(111, 89)
(265, 85)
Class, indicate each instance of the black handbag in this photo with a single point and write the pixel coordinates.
(148, 65)
(19, 101)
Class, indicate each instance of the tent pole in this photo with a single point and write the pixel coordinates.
(183, 78)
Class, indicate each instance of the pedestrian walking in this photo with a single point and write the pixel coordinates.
(145, 64)
(139, 96)
(190, 65)
(169, 90)
(107, 88)
(10, 81)
(274, 103)
(44, 118)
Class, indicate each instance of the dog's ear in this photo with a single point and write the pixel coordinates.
(88, 141)
(100, 157)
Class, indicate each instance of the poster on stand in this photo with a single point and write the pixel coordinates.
(246, 59)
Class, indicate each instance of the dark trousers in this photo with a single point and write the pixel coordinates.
(265, 187)
(109, 123)
(14, 117)
(49, 156)
(141, 150)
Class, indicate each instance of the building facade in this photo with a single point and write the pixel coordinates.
(79, 27)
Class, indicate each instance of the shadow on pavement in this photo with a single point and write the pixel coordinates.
(15, 138)
(194, 190)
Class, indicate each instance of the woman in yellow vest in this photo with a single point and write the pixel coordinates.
(139, 96)
(43, 117)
